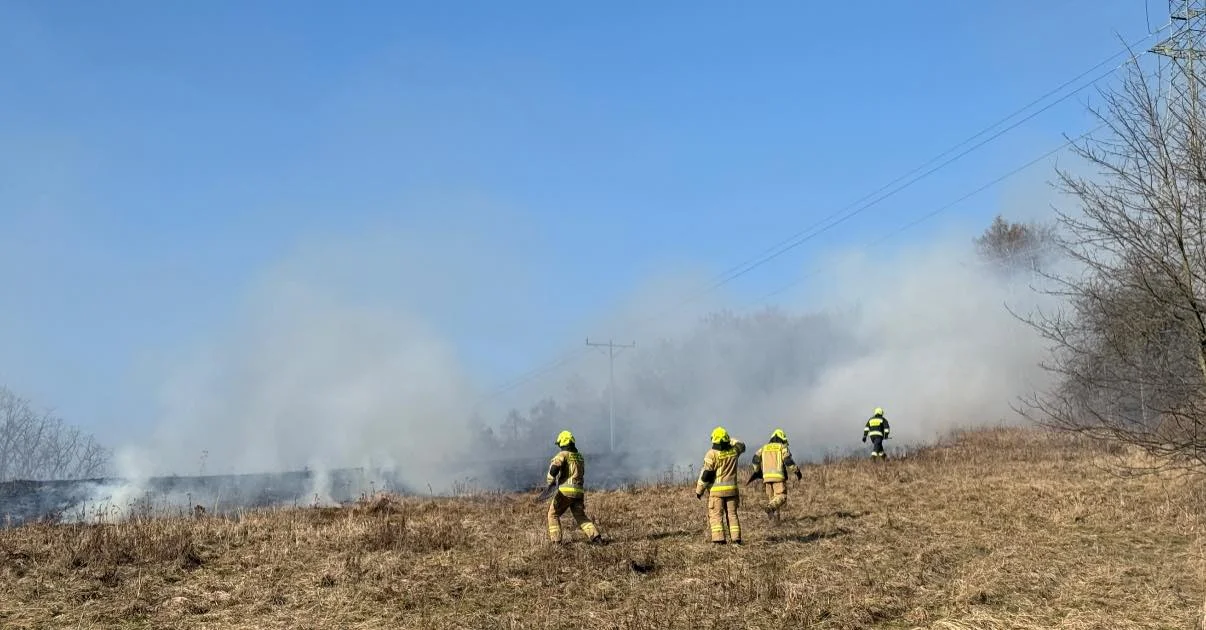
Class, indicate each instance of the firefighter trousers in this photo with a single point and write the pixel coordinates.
(776, 494)
(877, 446)
(720, 510)
(577, 507)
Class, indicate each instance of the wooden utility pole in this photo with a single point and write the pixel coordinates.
(611, 382)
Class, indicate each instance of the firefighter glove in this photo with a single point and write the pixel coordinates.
(698, 495)
(799, 475)
(864, 438)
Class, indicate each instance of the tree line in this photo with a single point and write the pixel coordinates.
(1129, 346)
(1125, 260)
(37, 445)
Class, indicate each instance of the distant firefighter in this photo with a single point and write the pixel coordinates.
(772, 463)
(567, 473)
(877, 429)
(719, 478)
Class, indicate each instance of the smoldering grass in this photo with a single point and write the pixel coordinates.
(1003, 528)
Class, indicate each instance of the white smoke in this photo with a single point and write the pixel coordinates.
(923, 332)
(310, 377)
(337, 358)
(122, 497)
(308, 381)
(942, 349)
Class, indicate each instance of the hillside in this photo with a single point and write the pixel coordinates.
(996, 529)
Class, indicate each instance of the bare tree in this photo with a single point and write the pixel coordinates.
(1131, 344)
(38, 445)
(1015, 247)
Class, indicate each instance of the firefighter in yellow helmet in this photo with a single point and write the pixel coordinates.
(719, 478)
(877, 429)
(567, 471)
(772, 463)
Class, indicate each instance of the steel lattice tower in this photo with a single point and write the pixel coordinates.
(1186, 55)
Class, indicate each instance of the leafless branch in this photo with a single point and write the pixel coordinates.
(38, 445)
(1130, 346)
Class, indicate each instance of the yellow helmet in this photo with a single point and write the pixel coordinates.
(780, 434)
(879, 411)
(565, 438)
(719, 435)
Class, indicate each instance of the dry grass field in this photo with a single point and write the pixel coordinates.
(994, 529)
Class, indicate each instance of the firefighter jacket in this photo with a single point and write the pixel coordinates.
(775, 462)
(568, 468)
(876, 426)
(719, 471)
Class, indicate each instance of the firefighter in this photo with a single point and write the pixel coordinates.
(719, 478)
(877, 429)
(568, 468)
(772, 463)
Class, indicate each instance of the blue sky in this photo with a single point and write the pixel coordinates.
(158, 159)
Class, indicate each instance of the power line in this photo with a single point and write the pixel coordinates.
(807, 234)
(810, 233)
(534, 373)
(1184, 47)
(933, 213)
(611, 382)
(570, 356)
(984, 131)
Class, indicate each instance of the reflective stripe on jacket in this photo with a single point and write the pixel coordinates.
(569, 469)
(720, 470)
(877, 426)
(771, 457)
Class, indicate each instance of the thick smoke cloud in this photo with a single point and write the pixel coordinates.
(924, 332)
(309, 376)
(306, 381)
(338, 356)
(936, 347)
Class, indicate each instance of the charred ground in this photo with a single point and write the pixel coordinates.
(24, 502)
(993, 529)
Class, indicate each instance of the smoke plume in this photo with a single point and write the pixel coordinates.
(923, 332)
(310, 377)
